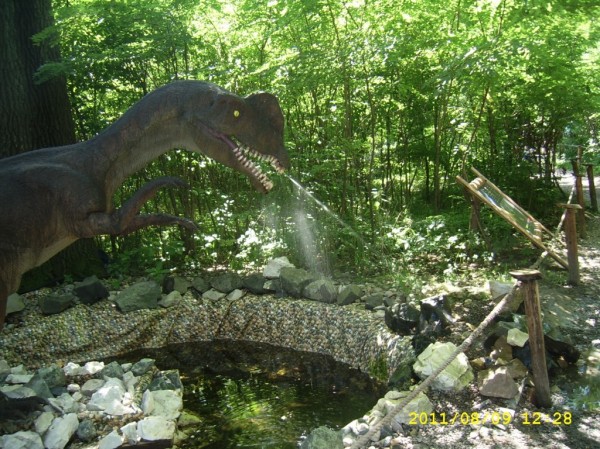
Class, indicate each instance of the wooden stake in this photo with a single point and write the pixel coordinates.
(528, 284)
(593, 199)
(571, 241)
(581, 202)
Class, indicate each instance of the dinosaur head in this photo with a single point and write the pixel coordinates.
(236, 130)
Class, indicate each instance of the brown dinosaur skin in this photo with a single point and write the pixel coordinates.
(51, 197)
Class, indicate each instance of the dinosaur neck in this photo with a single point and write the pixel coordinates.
(147, 130)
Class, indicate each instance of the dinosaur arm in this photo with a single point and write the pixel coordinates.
(126, 219)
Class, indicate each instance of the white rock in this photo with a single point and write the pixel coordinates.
(130, 434)
(155, 428)
(65, 403)
(91, 386)
(93, 367)
(20, 369)
(516, 337)
(18, 378)
(167, 403)
(147, 403)
(455, 377)
(72, 369)
(130, 381)
(273, 268)
(111, 441)
(43, 422)
(21, 440)
(61, 431)
(109, 396)
(73, 388)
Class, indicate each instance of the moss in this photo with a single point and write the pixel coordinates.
(378, 368)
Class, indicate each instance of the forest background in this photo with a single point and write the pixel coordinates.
(386, 101)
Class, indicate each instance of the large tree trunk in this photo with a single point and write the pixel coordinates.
(36, 115)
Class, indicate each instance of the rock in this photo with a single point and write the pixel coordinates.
(349, 295)
(226, 282)
(502, 350)
(61, 431)
(254, 283)
(143, 295)
(18, 378)
(65, 403)
(165, 403)
(455, 377)
(322, 290)
(109, 398)
(166, 380)
(90, 290)
(402, 318)
(21, 440)
(154, 428)
(499, 290)
(40, 386)
(323, 438)
(142, 366)
(175, 283)
(213, 295)
(273, 268)
(86, 431)
(43, 422)
(130, 434)
(516, 369)
(293, 280)
(113, 369)
(420, 404)
(111, 441)
(171, 299)
(200, 284)
(235, 295)
(374, 300)
(498, 383)
(91, 368)
(517, 337)
(437, 308)
(91, 386)
(56, 303)
(15, 303)
(53, 375)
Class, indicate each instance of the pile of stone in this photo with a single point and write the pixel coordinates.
(111, 405)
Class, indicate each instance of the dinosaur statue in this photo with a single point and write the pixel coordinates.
(51, 197)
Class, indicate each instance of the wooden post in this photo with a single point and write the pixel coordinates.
(593, 199)
(581, 202)
(571, 241)
(528, 284)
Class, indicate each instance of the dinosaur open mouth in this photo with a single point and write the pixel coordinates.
(243, 153)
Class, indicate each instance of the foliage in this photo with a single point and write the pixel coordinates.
(385, 102)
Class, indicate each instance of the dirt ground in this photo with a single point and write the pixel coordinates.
(568, 423)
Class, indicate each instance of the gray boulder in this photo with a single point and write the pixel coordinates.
(143, 295)
(200, 284)
(374, 300)
(255, 283)
(273, 268)
(497, 383)
(15, 303)
(175, 283)
(293, 280)
(53, 375)
(349, 294)
(90, 290)
(402, 318)
(213, 295)
(322, 290)
(226, 282)
(455, 377)
(56, 303)
(323, 438)
(22, 440)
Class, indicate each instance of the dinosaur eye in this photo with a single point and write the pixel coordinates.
(236, 113)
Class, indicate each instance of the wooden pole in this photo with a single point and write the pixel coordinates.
(571, 241)
(593, 199)
(581, 202)
(528, 285)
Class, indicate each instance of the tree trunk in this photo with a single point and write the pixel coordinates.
(36, 116)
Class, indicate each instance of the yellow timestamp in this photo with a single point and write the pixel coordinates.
(492, 417)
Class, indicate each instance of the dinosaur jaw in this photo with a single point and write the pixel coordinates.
(244, 164)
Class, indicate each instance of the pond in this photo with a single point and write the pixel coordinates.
(250, 395)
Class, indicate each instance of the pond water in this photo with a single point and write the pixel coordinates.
(251, 395)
